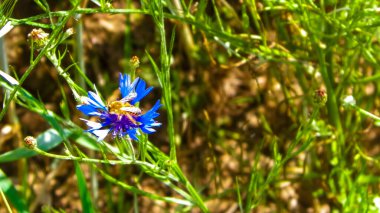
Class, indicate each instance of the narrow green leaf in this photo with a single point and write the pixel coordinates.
(239, 199)
(45, 141)
(84, 139)
(11, 193)
(6, 9)
(85, 196)
(201, 10)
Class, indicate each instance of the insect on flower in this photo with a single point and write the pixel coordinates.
(121, 117)
(123, 108)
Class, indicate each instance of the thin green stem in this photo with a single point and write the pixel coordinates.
(14, 121)
(44, 50)
(7, 206)
(257, 20)
(366, 113)
(218, 19)
(149, 168)
(197, 198)
(76, 90)
(164, 75)
(139, 191)
(79, 51)
(303, 130)
(244, 42)
(86, 160)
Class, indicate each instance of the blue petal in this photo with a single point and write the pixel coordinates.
(150, 114)
(124, 81)
(88, 110)
(125, 85)
(132, 134)
(148, 130)
(96, 101)
(147, 127)
(141, 91)
(147, 120)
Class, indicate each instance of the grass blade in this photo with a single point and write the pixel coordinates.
(85, 195)
(11, 193)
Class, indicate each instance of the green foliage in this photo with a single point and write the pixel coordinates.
(7, 187)
(6, 9)
(83, 191)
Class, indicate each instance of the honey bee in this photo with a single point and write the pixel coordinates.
(123, 107)
(131, 110)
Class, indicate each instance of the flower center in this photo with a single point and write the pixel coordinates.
(123, 108)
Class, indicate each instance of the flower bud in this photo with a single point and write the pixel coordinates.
(69, 31)
(67, 34)
(30, 142)
(320, 97)
(349, 101)
(135, 62)
(38, 38)
(108, 5)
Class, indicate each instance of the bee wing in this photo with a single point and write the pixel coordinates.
(129, 97)
(132, 109)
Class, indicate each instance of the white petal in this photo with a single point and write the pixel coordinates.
(101, 134)
(6, 28)
(8, 78)
(92, 124)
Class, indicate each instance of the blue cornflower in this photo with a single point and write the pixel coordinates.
(121, 117)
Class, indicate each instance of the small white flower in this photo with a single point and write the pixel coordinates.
(349, 101)
(376, 201)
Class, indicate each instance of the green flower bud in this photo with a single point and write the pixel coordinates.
(135, 62)
(320, 97)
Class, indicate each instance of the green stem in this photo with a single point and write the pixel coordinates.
(218, 19)
(332, 104)
(303, 130)
(197, 198)
(79, 52)
(235, 40)
(257, 20)
(14, 121)
(92, 160)
(164, 74)
(86, 160)
(139, 191)
(364, 112)
(8, 207)
(112, 179)
(53, 36)
(73, 86)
